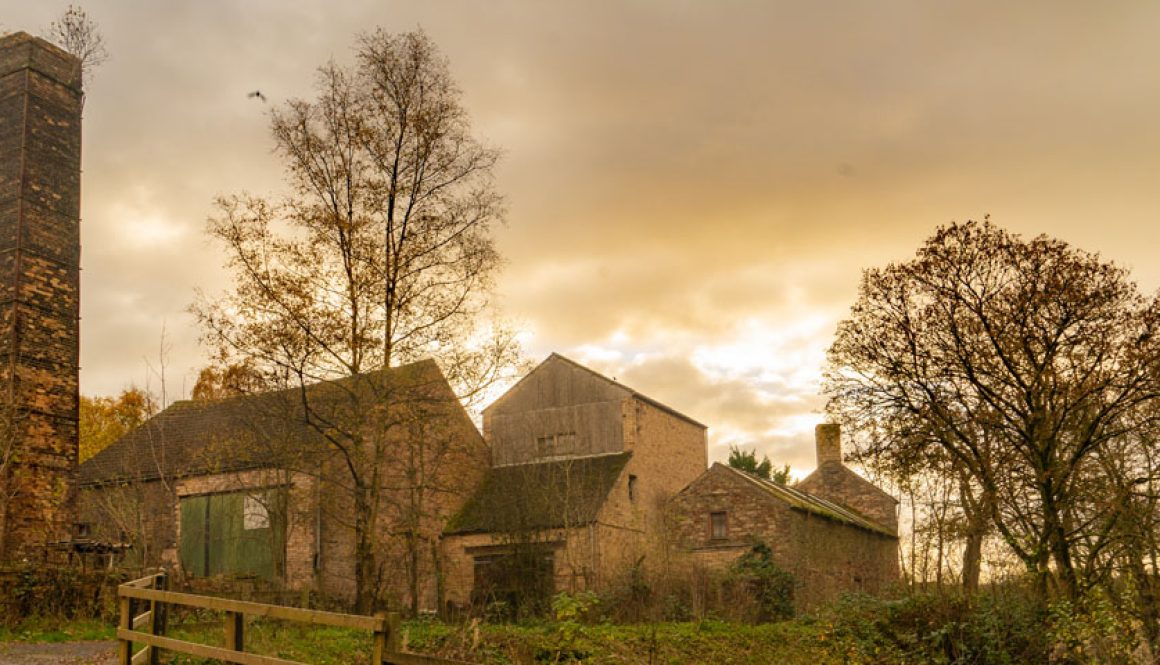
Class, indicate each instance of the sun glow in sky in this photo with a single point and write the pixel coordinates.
(693, 187)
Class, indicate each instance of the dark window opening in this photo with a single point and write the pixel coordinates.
(546, 445)
(556, 444)
(718, 526)
(632, 488)
(518, 583)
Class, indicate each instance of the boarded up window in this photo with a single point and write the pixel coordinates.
(255, 515)
(237, 533)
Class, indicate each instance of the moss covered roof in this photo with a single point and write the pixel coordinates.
(809, 503)
(191, 438)
(540, 495)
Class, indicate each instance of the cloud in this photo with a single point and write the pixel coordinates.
(693, 187)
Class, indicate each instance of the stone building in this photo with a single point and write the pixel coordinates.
(834, 532)
(583, 468)
(246, 485)
(40, 153)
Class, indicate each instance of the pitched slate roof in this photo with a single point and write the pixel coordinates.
(196, 438)
(806, 502)
(540, 495)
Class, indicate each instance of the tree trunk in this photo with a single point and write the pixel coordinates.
(440, 583)
(1146, 599)
(972, 560)
(364, 555)
(976, 512)
(415, 557)
(1059, 551)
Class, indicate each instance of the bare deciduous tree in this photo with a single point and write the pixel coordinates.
(79, 34)
(380, 254)
(1026, 364)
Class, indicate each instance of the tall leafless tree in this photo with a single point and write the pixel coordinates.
(380, 254)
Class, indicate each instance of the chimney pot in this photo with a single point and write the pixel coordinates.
(828, 439)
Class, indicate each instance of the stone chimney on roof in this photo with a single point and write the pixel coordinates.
(828, 438)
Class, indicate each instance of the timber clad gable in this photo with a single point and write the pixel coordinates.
(582, 466)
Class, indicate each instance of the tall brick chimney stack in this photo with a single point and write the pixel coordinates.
(40, 178)
(828, 439)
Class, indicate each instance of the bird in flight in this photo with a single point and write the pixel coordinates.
(258, 94)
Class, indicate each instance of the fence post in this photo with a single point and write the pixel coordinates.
(394, 626)
(125, 650)
(379, 651)
(156, 627)
(235, 631)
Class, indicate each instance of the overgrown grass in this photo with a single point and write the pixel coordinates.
(318, 645)
(39, 629)
(790, 642)
(1003, 626)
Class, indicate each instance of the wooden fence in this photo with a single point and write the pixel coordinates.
(147, 629)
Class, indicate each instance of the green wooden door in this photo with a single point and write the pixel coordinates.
(234, 534)
(193, 534)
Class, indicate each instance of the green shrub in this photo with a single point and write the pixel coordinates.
(1096, 629)
(999, 626)
(29, 590)
(756, 575)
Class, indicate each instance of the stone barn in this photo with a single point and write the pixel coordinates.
(835, 532)
(253, 486)
(583, 468)
(40, 185)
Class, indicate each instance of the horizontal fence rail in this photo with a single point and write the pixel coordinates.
(148, 628)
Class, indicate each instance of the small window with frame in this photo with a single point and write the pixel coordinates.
(718, 525)
(546, 445)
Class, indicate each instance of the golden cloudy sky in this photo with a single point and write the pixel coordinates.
(693, 187)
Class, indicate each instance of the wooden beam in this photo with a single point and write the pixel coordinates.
(203, 650)
(142, 620)
(143, 582)
(314, 617)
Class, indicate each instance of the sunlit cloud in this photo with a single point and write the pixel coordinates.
(693, 188)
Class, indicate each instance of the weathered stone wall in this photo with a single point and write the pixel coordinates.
(441, 447)
(668, 452)
(834, 481)
(40, 149)
(574, 557)
(826, 557)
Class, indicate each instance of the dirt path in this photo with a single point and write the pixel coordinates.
(60, 653)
